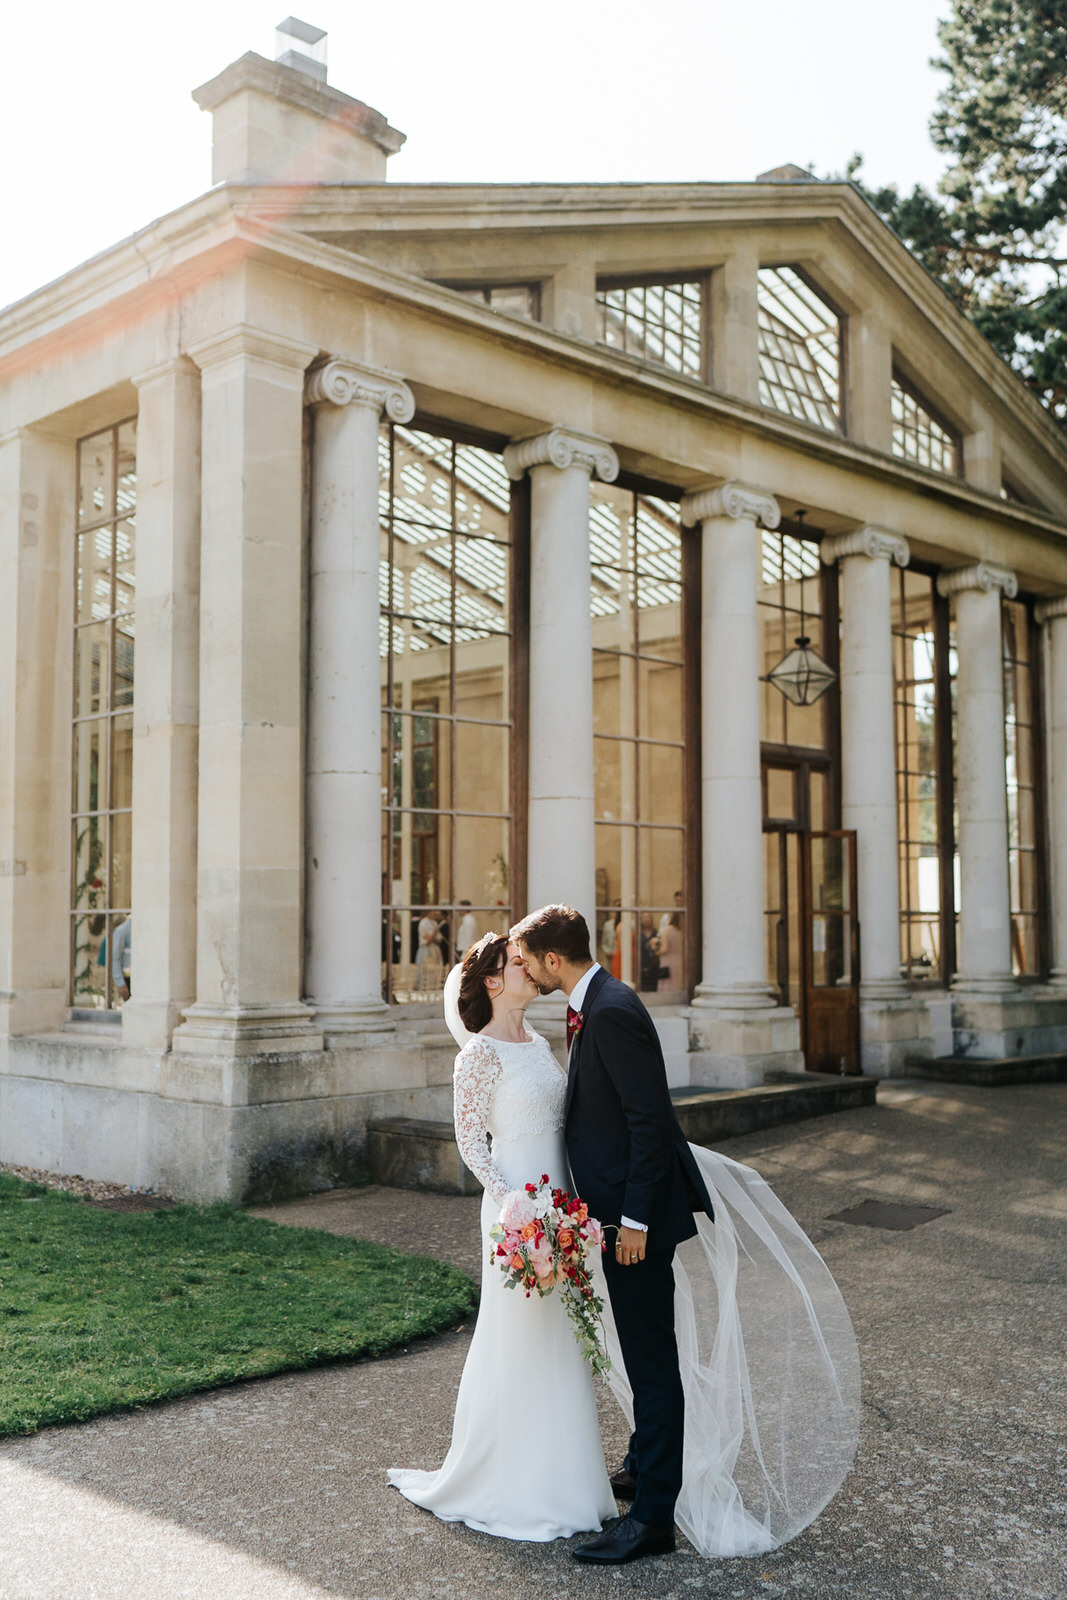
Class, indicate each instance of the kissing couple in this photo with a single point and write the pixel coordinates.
(732, 1353)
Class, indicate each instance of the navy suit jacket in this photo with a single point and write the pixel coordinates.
(628, 1155)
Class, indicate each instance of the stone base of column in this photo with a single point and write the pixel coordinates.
(150, 1024)
(348, 1023)
(738, 1036)
(1013, 1020)
(210, 1030)
(896, 1026)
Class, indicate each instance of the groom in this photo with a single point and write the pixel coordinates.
(632, 1165)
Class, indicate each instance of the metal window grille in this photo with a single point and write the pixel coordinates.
(1020, 736)
(664, 323)
(799, 349)
(516, 299)
(918, 436)
(446, 704)
(638, 737)
(102, 734)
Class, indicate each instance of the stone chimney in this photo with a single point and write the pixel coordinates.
(280, 122)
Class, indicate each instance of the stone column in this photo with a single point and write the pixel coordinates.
(1053, 615)
(343, 874)
(249, 924)
(868, 786)
(166, 704)
(562, 842)
(985, 908)
(37, 548)
(739, 1029)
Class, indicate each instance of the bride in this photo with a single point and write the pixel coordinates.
(767, 1354)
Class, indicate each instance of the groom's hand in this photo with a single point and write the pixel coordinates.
(630, 1247)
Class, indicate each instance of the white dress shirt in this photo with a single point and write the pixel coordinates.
(574, 1000)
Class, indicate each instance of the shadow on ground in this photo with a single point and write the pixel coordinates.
(276, 1490)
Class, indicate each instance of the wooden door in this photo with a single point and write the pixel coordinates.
(830, 1013)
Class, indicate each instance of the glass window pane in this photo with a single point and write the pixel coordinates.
(660, 783)
(96, 478)
(126, 488)
(121, 823)
(481, 782)
(661, 867)
(122, 761)
(125, 552)
(90, 863)
(122, 686)
(660, 710)
(613, 705)
(90, 766)
(613, 779)
(781, 793)
(483, 848)
(799, 349)
(662, 323)
(93, 575)
(92, 668)
(88, 961)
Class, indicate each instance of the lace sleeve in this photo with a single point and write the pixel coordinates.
(476, 1073)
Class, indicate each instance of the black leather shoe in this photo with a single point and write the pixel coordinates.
(624, 1484)
(626, 1541)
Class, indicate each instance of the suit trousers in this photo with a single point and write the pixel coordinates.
(642, 1303)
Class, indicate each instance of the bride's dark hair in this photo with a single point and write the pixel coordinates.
(489, 955)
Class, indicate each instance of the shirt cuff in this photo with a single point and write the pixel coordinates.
(628, 1222)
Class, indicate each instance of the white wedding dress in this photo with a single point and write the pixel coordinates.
(766, 1349)
(526, 1460)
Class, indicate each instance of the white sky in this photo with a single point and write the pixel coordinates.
(100, 136)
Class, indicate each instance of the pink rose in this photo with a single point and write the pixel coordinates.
(594, 1233)
(517, 1210)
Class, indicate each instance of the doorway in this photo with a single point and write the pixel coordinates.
(811, 936)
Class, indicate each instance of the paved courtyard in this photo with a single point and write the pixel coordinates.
(276, 1490)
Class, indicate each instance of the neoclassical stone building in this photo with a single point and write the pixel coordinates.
(378, 561)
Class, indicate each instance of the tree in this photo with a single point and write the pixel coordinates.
(993, 233)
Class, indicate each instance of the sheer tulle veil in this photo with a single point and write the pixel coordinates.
(768, 1360)
(455, 1026)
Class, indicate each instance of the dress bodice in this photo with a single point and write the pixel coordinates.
(508, 1090)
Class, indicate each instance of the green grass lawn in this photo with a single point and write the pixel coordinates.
(101, 1310)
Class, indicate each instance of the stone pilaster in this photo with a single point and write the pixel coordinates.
(249, 925)
(166, 703)
(888, 1018)
(1052, 614)
(37, 519)
(562, 841)
(738, 1029)
(343, 873)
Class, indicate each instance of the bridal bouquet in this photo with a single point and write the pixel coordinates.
(543, 1241)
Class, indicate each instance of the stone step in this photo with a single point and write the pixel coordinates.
(708, 1115)
(408, 1153)
(989, 1072)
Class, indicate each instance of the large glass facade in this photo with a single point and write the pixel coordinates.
(665, 322)
(639, 738)
(799, 349)
(1021, 759)
(101, 800)
(797, 767)
(924, 672)
(446, 696)
(919, 435)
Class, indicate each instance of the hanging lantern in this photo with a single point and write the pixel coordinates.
(802, 675)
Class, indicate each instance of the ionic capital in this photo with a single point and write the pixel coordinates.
(733, 500)
(562, 448)
(877, 544)
(984, 575)
(349, 383)
(1050, 610)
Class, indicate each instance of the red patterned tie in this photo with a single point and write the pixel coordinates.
(574, 1024)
